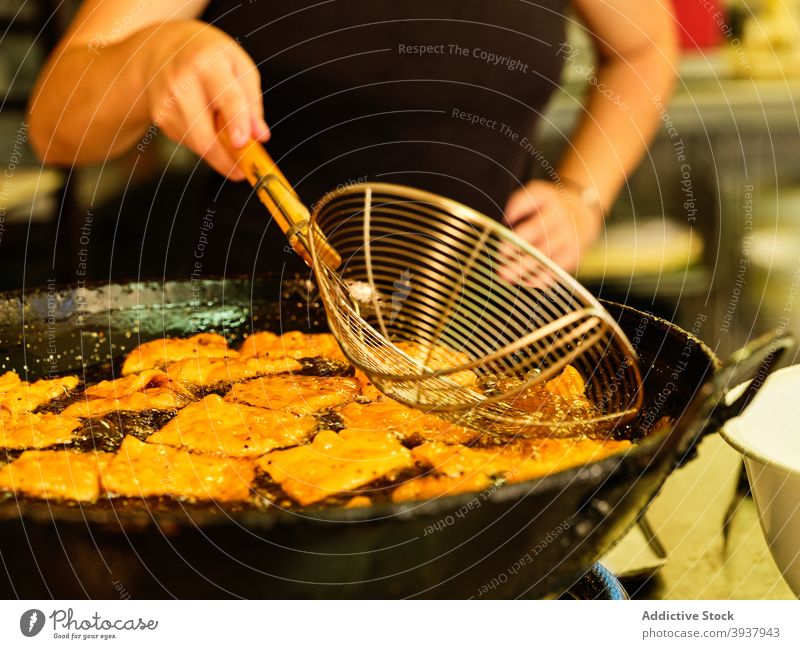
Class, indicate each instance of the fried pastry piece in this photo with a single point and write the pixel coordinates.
(149, 390)
(127, 385)
(554, 400)
(8, 381)
(261, 344)
(358, 501)
(336, 463)
(233, 429)
(457, 469)
(440, 357)
(428, 487)
(368, 390)
(30, 430)
(406, 423)
(301, 395)
(160, 353)
(206, 372)
(55, 475)
(569, 384)
(293, 344)
(520, 460)
(17, 396)
(144, 470)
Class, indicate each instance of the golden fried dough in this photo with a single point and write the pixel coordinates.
(405, 422)
(17, 396)
(335, 463)
(8, 381)
(569, 384)
(294, 344)
(455, 469)
(439, 358)
(149, 390)
(233, 429)
(30, 430)
(159, 353)
(212, 448)
(428, 487)
(55, 475)
(144, 470)
(301, 395)
(206, 372)
(368, 390)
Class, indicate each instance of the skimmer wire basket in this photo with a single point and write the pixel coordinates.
(435, 302)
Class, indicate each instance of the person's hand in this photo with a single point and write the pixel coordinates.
(195, 72)
(555, 220)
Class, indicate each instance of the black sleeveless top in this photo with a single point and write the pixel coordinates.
(438, 94)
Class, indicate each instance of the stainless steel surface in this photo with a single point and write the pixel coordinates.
(473, 300)
(698, 559)
(688, 517)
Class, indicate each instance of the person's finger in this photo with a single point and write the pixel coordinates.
(200, 134)
(524, 203)
(521, 205)
(549, 235)
(226, 97)
(559, 252)
(526, 272)
(222, 163)
(535, 231)
(249, 79)
(531, 232)
(214, 153)
(519, 266)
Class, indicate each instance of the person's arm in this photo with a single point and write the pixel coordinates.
(124, 65)
(637, 53)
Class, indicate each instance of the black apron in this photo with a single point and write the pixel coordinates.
(438, 94)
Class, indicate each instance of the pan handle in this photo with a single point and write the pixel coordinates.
(754, 363)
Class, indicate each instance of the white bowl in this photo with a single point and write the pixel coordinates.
(767, 433)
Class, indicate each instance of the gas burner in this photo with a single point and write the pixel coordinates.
(598, 583)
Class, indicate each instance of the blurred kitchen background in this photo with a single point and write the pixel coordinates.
(705, 234)
(706, 228)
(715, 233)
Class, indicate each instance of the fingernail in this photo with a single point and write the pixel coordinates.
(237, 136)
(265, 132)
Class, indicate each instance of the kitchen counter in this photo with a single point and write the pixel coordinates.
(688, 517)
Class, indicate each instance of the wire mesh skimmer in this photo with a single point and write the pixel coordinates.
(450, 312)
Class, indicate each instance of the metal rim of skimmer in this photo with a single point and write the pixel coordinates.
(345, 313)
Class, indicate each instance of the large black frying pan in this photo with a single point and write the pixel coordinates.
(531, 539)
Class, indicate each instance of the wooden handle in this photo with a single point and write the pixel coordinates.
(279, 197)
(256, 163)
